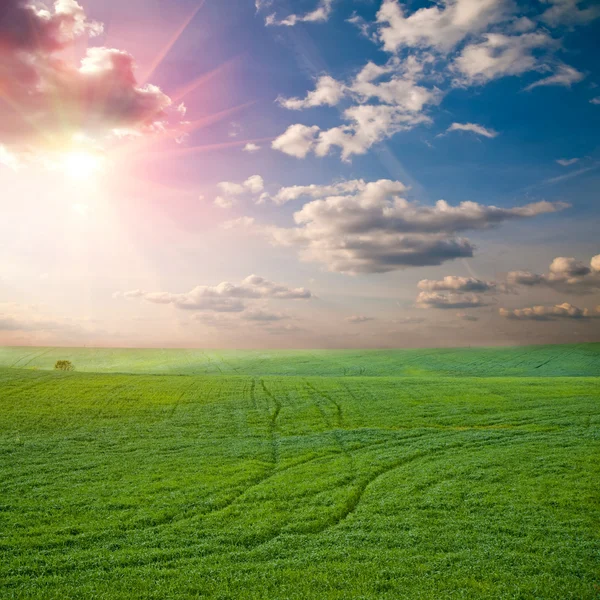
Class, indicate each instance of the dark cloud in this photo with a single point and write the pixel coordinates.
(369, 228)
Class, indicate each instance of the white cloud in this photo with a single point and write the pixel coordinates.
(483, 40)
(254, 184)
(328, 92)
(567, 162)
(522, 25)
(224, 202)
(395, 83)
(474, 128)
(449, 301)
(441, 26)
(400, 99)
(319, 15)
(567, 12)
(546, 313)
(225, 297)
(371, 229)
(453, 283)
(251, 147)
(595, 100)
(564, 75)
(231, 189)
(565, 275)
(287, 194)
(262, 4)
(298, 140)
(500, 55)
(368, 124)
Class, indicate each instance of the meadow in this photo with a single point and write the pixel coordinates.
(417, 474)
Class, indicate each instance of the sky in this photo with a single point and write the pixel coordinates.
(306, 174)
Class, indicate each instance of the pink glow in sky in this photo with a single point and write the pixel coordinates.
(196, 173)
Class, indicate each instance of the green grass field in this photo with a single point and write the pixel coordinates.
(417, 474)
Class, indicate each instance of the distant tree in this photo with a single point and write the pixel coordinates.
(64, 365)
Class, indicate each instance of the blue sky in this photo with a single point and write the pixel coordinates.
(383, 107)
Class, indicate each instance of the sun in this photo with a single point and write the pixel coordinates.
(81, 165)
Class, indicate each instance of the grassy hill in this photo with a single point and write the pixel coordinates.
(282, 475)
(538, 361)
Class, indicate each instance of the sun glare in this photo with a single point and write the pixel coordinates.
(81, 165)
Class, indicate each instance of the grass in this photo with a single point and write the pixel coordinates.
(428, 481)
(576, 360)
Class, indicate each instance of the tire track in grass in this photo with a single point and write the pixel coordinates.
(339, 416)
(352, 502)
(253, 394)
(273, 423)
(33, 356)
(180, 398)
(272, 474)
(337, 405)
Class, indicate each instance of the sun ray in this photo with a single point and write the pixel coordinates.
(183, 91)
(158, 59)
(206, 148)
(215, 118)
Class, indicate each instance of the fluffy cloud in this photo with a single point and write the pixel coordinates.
(595, 100)
(225, 297)
(500, 55)
(223, 202)
(298, 140)
(457, 292)
(449, 301)
(441, 26)
(474, 128)
(400, 102)
(230, 190)
(566, 275)
(567, 12)
(328, 92)
(452, 283)
(567, 162)
(54, 100)
(371, 229)
(546, 313)
(368, 124)
(451, 43)
(254, 184)
(28, 27)
(319, 15)
(287, 194)
(564, 75)
(251, 147)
